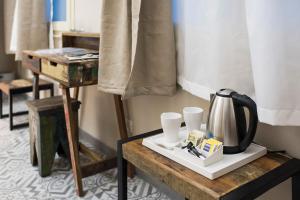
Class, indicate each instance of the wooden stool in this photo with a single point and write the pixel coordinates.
(15, 87)
(48, 132)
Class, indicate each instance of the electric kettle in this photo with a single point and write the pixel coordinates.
(226, 121)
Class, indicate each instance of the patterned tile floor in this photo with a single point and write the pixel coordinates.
(20, 181)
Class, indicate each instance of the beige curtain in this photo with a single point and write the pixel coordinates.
(26, 26)
(9, 7)
(137, 48)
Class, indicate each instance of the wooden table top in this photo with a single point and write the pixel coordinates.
(58, 55)
(191, 184)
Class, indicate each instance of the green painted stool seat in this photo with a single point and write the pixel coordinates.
(48, 133)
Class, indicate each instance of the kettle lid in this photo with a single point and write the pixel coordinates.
(225, 92)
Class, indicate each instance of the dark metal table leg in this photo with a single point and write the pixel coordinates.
(122, 173)
(52, 91)
(10, 113)
(1, 104)
(296, 186)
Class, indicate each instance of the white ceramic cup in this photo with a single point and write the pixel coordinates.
(171, 122)
(193, 118)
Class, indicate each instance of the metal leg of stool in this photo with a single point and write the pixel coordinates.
(1, 105)
(122, 173)
(10, 113)
(296, 186)
(52, 91)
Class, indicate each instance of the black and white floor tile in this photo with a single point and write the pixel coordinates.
(20, 181)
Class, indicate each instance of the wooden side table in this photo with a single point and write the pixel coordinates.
(247, 182)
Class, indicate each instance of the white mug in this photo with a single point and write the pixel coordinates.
(193, 118)
(171, 122)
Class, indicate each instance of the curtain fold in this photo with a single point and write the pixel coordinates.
(251, 46)
(212, 45)
(8, 10)
(274, 41)
(26, 25)
(137, 48)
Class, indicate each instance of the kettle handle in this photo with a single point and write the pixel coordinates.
(245, 101)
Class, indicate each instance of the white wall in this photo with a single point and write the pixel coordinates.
(98, 115)
(87, 15)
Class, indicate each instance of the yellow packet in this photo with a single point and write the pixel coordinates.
(209, 146)
(196, 137)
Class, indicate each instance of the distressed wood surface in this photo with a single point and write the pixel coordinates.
(73, 74)
(48, 131)
(81, 39)
(191, 184)
(90, 153)
(80, 34)
(31, 62)
(35, 85)
(69, 73)
(7, 86)
(58, 57)
(50, 104)
(98, 166)
(73, 143)
(32, 139)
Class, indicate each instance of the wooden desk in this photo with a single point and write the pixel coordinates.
(80, 40)
(247, 182)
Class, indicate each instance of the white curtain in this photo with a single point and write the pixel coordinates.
(252, 46)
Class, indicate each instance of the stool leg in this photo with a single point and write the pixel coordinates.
(52, 91)
(33, 154)
(10, 113)
(36, 90)
(1, 105)
(45, 144)
(32, 137)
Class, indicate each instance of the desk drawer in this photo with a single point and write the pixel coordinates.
(31, 62)
(73, 74)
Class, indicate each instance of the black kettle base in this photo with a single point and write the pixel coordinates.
(232, 150)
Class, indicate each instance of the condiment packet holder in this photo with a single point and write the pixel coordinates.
(176, 150)
(204, 160)
(213, 158)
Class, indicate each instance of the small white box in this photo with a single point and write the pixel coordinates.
(215, 157)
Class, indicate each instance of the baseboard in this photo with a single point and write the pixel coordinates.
(100, 146)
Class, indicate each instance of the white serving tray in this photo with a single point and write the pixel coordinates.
(213, 171)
